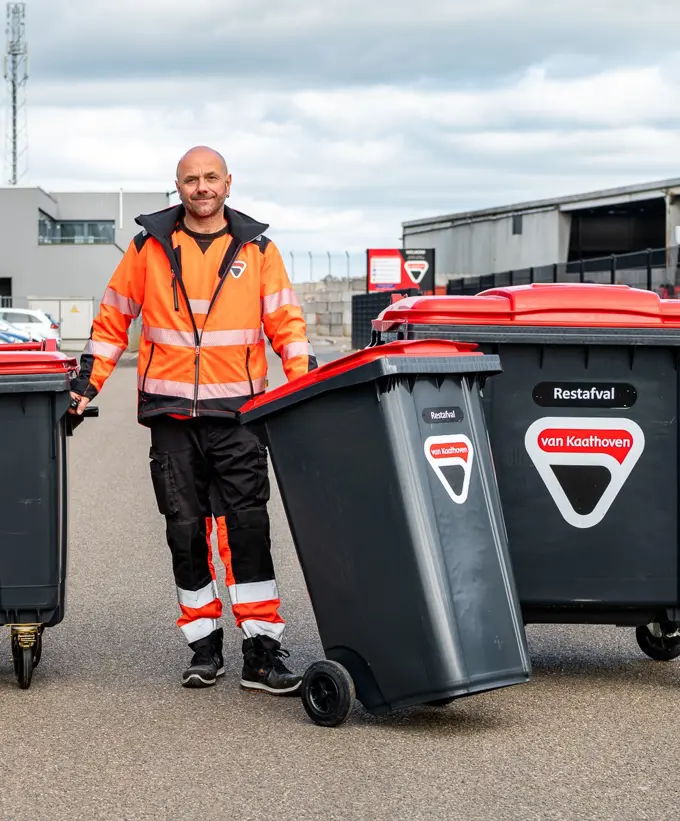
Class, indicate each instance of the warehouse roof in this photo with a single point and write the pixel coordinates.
(592, 199)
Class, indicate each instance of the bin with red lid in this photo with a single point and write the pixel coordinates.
(383, 463)
(583, 424)
(34, 426)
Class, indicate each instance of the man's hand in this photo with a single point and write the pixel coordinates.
(78, 404)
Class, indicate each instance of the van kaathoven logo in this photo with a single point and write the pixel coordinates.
(238, 268)
(416, 269)
(584, 462)
(451, 458)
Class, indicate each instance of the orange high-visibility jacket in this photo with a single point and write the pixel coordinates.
(204, 318)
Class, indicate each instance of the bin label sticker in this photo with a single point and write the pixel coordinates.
(451, 458)
(584, 395)
(435, 416)
(584, 462)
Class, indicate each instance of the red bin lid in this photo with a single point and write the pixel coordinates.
(14, 361)
(416, 347)
(548, 304)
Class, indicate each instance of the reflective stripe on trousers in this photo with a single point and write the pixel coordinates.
(255, 605)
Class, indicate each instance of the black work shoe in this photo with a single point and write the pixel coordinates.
(207, 662)
(263, 668)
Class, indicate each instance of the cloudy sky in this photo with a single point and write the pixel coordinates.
(342, 118)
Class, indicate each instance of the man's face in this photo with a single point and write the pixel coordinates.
(203, 184)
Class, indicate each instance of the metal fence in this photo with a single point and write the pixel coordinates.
(365, 308)
(313, 266)
(652, 270)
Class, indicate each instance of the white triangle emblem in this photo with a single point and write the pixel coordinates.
(416, 269)
(584, 462)
(238, 268)
(449, 455)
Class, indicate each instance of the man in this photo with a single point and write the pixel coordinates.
(209, 287)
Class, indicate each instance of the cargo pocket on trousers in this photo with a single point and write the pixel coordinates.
(163, 483)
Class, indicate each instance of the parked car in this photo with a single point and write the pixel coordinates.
(11, 333)
(34, 322)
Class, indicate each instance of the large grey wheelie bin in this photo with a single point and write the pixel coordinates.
(583, 424)
(383, 463)
(34, 425)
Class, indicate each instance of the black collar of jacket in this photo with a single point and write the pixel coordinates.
(161, 224)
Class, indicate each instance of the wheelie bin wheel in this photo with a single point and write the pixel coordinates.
(37, 649)
(659, 648)
(25, 667)
(24, 663)
(440, 702)
(327, 693)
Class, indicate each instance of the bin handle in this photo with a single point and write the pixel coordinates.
(72, 420)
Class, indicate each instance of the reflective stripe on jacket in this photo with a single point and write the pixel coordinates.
(202, 347)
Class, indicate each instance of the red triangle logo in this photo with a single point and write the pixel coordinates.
(451, 457)
(584, 462)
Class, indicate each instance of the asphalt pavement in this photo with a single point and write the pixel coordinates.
(107, 732)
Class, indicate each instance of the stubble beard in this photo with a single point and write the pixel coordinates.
(217, 207)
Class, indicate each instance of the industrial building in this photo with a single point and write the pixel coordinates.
(545, 232)
(60, 249)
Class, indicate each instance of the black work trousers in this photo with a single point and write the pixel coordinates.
(208, 467)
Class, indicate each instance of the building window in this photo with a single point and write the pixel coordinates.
(75, 232)
(46, 229)
(516, 223)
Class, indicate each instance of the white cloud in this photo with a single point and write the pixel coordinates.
(342, 119)
(613, 98)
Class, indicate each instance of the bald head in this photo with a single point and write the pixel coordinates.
(203, 183)
(202, 155)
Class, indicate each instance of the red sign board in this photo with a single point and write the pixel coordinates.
(394, 269)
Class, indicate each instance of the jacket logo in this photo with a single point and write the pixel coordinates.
(238, 268)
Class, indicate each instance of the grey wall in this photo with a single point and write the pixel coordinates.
(64, 270)
(71, 270)
(564, 236)
(19, 234)
(489, 246)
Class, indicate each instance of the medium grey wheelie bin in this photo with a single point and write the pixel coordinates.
(383, 463)
(34, 426)
(583, 424)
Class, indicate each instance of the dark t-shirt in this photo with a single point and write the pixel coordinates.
(204, 241)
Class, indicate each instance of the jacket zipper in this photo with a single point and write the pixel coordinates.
(176, 279)
(148, 365)
(197, 357)
(250, 381)
(174, 291)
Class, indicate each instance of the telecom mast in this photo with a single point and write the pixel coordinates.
(16, 74)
